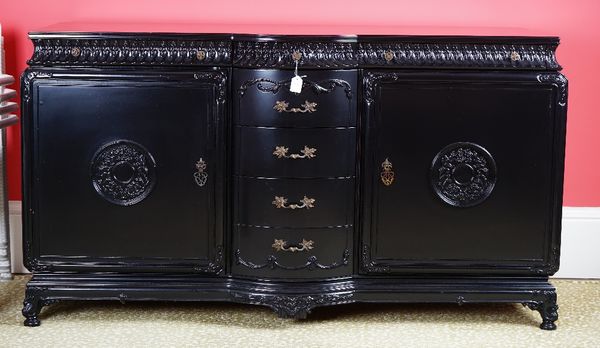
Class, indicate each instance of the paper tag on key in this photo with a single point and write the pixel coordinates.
(296, 85)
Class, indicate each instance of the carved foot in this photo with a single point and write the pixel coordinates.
(548, 309)
(32, 321)
(32, 305)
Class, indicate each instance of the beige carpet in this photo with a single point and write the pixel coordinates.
(110, 324)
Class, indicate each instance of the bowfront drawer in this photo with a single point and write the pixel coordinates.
(292, 253)
(300, 153)
(263, 98)
(295, 202)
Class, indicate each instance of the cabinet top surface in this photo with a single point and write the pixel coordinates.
(272, 31)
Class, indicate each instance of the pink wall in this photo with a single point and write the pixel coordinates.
(576, 22)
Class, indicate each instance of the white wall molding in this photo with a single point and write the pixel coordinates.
(580, 242)
(15, 235)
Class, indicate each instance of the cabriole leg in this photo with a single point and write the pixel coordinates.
(32, 305)
(548, 309)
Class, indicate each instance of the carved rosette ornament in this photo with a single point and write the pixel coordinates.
(123, 172)
(463, 174)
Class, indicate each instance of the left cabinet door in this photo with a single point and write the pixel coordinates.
(123, 171)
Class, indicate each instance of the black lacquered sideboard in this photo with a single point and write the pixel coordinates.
(198, 167)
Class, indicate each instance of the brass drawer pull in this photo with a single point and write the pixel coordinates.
(388, 55)
(282, 106)
(387, 174)
(515, 56)
(75, 51)
(282, 245)
(200, 175)
(305, 203)
(307, 152)
(296, 56)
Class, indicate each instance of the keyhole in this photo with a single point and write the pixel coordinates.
(123, 172)
(463, 174)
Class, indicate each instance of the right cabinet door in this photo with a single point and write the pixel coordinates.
(462, 172)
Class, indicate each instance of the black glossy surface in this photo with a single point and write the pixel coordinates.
(256, 257)
(415, 116)
(333, 206)
(479, 226)
(175, 122)
(334, 156)
(257, 91)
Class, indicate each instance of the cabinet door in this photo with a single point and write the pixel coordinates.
(462, 172)
(124, 170)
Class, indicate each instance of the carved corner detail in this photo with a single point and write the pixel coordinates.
(215, 267)
(217, 77)
(27, 83)
(560, 81)
(372, 80)
(370, 266)
(33, 264)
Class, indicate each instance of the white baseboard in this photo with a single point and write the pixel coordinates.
(580, 242)
(15, 235)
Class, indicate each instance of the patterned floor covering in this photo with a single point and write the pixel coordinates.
(110, 324)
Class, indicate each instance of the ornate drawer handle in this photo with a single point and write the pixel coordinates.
(282, 245)
(387, 174)
(307, 152)
(200, 175)
(305, 203)
(282, 106)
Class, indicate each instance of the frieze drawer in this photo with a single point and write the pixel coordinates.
(299, 153)
(263, 98)
(295, 202)
(292, 253)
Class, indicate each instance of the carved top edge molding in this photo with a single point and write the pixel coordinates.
(130, 51)
(315, 52)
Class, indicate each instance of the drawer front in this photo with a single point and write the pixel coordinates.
(300, 153)
(263, 98)
(295, 202)
(292, 253)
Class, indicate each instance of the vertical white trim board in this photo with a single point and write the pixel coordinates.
(580, 242)
(15, 235)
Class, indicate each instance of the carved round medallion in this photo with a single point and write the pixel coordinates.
(123, 172)
(463, 174)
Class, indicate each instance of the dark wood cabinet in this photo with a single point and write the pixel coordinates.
(182, 167)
